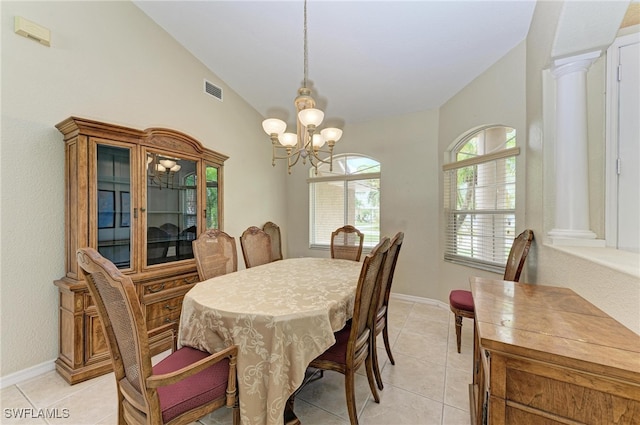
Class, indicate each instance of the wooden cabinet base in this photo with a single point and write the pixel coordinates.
(545, 356)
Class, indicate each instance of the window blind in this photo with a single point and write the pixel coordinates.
(479, 202)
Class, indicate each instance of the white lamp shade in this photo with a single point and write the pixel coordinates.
(167, 163)
(274, 126)
(318, 141)
(160, 168)
(288, 139)
(311, 116)
(331, 133)
(176, 168)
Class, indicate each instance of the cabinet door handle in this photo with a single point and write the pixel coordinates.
(167, 320)
(169, 307)
(143, 209)
(153, 291)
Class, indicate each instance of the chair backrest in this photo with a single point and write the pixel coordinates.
(158, 242)
(123, 322)
(273, 230)
(256, 247)
(518, 255)
(388, 270)
(215, 253)
(362, 322)
(346, 243)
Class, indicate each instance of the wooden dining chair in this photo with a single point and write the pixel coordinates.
(346, 243)
(215, 253)
(184, 386)
(256, 247)
(382, 305)
(351, 348)
(461, 300)
(273, 230)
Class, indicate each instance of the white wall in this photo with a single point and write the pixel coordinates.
(617, 293)
(406, 147)
(108, 61)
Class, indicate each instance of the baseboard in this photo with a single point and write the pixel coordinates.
(25, 374)
(421, 300)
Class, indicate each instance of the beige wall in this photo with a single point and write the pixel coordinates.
(108, 61)
(406, 148)
(494, 98)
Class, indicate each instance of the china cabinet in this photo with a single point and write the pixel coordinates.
(140, 197)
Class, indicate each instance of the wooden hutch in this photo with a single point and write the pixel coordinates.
(139, 197)
(543, 355)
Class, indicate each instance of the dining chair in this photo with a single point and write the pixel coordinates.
(273, 230)
(461, 300)
(186, 385)
(382, 305)
(158, 242)
(215, 253)
(346, 243)
(351, 348)
(256, 247)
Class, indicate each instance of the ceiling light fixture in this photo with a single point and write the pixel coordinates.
(308, 141)
(162, 170)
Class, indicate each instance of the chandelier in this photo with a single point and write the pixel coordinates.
(162, 170)
(308, 142)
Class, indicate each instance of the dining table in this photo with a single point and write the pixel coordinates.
(281, 315)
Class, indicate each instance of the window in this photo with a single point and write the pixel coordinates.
(480, 198)
(350, 194)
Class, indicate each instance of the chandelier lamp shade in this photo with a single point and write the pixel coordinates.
(309, 141)
(162, 170)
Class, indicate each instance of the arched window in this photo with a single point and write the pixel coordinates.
(350, 194)
(480, 198)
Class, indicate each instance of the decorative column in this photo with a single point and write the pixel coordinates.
(571, 152)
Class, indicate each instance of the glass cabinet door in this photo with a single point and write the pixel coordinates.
(172, 206)
(114, 204)
(212, 195)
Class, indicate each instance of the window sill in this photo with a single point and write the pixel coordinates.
(622, 261)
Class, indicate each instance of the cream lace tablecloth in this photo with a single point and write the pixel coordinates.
(282, 315)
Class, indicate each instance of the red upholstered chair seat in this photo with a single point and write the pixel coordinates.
(193, 391)
(338, 352)
(461, 300)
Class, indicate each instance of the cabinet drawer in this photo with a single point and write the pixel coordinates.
(156, 287)
(170, 307)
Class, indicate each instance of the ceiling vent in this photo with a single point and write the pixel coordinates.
(213, 90)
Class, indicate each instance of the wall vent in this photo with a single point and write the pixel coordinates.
(213, 90)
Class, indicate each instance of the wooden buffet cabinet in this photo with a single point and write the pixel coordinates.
(543, 355)
(139, 197)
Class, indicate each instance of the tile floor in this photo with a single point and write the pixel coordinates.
(427, 385)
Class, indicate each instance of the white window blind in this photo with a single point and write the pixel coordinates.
(479, 202)
(348, 194)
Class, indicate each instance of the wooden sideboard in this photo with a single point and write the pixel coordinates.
(544, 355)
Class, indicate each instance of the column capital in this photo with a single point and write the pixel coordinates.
(577, 63)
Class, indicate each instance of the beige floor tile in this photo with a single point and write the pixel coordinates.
(328, 393)
(453, 416)
(421, 346)
(418, 376)
(48, 388)
(399, 407)
(16, 409)
(88, 406)
(456, 391)
(434, 313)
(312, 415)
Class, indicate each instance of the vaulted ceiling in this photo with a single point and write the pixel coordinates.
(367, 59)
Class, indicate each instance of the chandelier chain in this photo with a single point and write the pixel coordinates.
(306, 55)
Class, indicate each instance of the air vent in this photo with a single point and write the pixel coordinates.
(213, 90)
